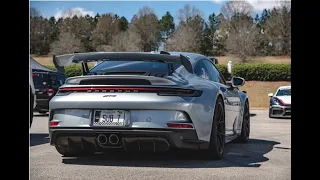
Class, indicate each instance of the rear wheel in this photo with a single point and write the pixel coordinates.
(217, 139)
(245, 130)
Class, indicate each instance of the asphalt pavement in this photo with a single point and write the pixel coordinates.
(266, 156)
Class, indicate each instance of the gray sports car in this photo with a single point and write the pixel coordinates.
(147, 102)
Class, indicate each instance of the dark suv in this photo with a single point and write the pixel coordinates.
(46, 86)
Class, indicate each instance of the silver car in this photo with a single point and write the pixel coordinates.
(147, 102)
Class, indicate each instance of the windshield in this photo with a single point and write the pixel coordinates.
(131, 66)
(284, 92)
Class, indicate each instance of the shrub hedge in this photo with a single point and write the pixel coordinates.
(248, 71)
(223, 69)
(262, 72)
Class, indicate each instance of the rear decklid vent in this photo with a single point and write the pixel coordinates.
(157, 74)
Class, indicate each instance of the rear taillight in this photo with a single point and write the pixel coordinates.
(54, 123)
(35, 74)
(189, 93)
(180, 125)
(159, 90)
(50, 92)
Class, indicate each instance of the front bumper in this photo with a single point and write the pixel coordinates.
(280, 111)
(133, 139)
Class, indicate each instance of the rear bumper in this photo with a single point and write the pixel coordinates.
(130, 139)
(280, 111)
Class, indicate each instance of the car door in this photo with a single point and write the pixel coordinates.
(231, 98)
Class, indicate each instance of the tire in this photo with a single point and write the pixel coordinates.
(270, 115)
(215, 150)
(245, 129)
(68, 152)
(42, 112)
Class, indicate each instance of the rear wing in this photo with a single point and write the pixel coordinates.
(69, 59)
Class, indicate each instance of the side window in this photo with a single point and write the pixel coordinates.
(221, 78)
(213, 72)
(62, 80)
(54, 80)
(201, 70)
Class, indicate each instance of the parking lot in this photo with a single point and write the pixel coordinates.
(266, 156)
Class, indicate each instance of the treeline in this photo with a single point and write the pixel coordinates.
(234, 31)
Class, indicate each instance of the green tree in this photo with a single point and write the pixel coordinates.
(124, 24)
(81, 27)
(54, 31)
(206, 41)
(96, 18)
(264, 48)
(167, 25)
(278, 29)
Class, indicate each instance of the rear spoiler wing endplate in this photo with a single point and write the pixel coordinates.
(61, 61)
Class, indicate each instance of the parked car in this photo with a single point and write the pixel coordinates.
(33, 98)
(280, 102)
(147, 101)
(46, 86)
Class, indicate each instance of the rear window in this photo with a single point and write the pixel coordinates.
(131, 66)
(40, 79)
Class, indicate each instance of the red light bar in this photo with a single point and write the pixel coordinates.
(35, 74)
(161, 91)
(122, 88)
(180, 125)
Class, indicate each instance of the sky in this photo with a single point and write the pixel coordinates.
(129, 8)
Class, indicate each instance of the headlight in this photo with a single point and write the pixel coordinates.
(276, 101)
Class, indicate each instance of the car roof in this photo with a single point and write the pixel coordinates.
(284, 87)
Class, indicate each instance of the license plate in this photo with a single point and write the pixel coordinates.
(109, 118)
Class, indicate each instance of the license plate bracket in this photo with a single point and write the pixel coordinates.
(109, 118)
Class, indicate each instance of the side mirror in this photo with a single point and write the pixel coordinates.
(237, 81)
(270, 94)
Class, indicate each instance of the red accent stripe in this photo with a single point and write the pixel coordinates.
(282, 102)
(179, 125)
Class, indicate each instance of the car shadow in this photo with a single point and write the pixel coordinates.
(38, 139)
(252, 115)
(281, 118)
(40, 115)
(236, 155)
